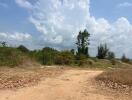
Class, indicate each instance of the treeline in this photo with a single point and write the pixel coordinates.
(49, 56)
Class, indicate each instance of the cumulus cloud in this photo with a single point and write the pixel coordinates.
(117, 35)
(59, 21)
(16, 38)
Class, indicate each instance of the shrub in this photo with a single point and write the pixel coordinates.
(102, 51)
(23, 49)
(111, 55)
(113, 61)
(64, 58)
(46, 56)
(125, 59)
(90, 62)
(10, 56)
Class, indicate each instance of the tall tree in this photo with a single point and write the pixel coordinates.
(102, 51)
(124, 58)
(83, 42)
(111, 55)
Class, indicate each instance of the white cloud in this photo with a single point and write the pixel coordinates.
(59, 21)
(117, 36)
(24, 3)
(17, 38)
(124, 4)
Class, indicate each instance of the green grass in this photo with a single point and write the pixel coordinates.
(11, 57)
(103, 64)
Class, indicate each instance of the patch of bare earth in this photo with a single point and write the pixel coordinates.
(14, 78)
(73, 84)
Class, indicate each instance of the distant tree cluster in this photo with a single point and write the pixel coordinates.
(49, 56)
(104, 52)
(125, 59)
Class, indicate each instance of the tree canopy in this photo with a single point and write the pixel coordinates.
(83, 42)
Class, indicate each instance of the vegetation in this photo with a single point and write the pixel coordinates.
(105, 59)
(125, 59)
(102, 51)
(111, 55)
(15, 56)
(23, 49)
(82, 43)
(118, 76)
(11, 56)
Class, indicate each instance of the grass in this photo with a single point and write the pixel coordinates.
(119, 76)
(103, 64)
(12, 57)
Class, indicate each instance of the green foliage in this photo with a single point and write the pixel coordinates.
(125, 59)
(65, 58)
(46, 56)
(102, 51)
(83, 42)
(3, 44)
(23, 49)
(111, 55)
(10, 56)
(73, 51)
(49, 56)
(81, 59)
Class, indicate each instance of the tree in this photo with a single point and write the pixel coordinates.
(23, 49)
(73, 51)
(83, 42)
(102, 51)
(3, 44)
(111, 55)
(124, 58)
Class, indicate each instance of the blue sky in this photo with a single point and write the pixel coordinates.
(110, 9)
(55, 23)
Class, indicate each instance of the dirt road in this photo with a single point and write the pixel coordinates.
(72, 85)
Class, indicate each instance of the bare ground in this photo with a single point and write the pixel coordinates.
(73, 84)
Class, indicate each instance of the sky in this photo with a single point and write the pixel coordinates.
(56, 23)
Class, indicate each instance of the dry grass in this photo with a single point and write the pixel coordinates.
(13, 78)
(120, 79)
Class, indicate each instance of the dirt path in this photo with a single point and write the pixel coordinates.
(72, 85)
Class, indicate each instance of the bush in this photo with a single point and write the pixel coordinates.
(46, 56)
(113, 61)
(10, 56)
(111, 55)
(23, 49)
(125, 59)
(90, 62)
(64, 58)
(102, 51)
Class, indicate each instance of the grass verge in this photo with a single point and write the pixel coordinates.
(116, 79)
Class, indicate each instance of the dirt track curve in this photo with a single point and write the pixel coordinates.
(72, 85)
